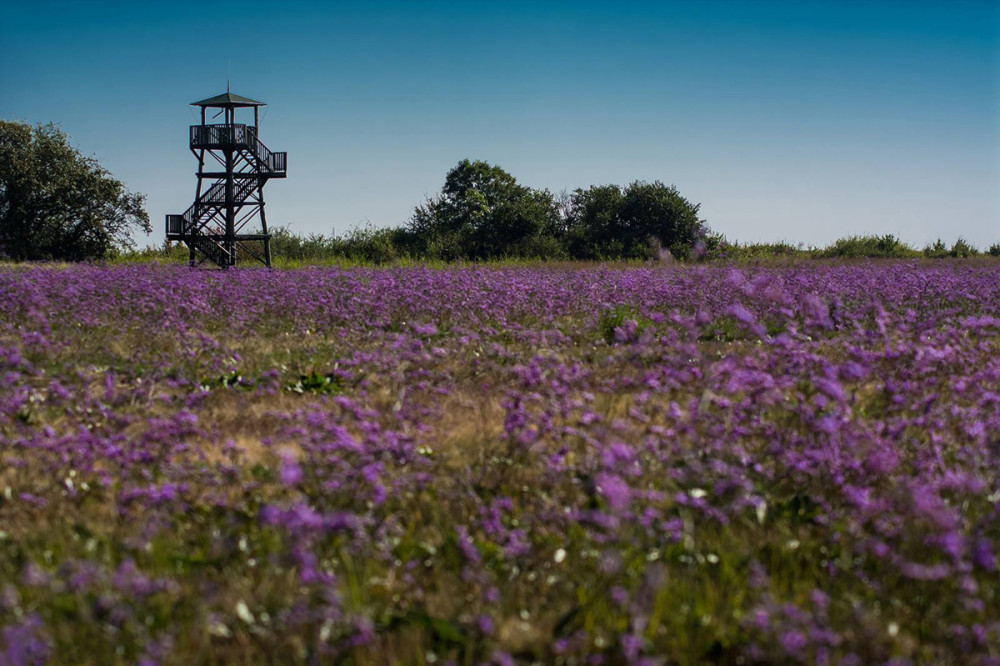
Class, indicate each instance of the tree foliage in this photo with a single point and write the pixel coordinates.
(610, 222)
(483, 213)
(56, 203)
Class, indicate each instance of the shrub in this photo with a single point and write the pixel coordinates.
(963, 249)
(482, 213)
(541, 246)
(936, 250)
(869, 246)
(292, 247)
(375, 245)
(610, 222)
(753, 251)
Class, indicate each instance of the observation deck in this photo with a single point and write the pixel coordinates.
(240, 137)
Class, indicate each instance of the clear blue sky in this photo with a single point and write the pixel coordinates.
(796, 120)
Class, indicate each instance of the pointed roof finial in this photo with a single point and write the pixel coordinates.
(227, 74)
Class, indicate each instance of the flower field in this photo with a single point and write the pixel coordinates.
(691, 464)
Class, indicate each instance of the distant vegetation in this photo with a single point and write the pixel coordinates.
(854, 247)
(484, 214)
(372, 245)
(56, 204)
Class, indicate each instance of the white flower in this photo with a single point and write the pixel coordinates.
(219, 629)
(326, 630)
(244, 613)
(761, 512)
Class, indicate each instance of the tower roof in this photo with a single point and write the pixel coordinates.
(228, 100)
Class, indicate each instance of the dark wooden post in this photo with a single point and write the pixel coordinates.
(230, 210)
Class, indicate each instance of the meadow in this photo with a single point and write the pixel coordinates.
(682, 464)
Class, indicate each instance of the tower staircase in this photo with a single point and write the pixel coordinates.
(220, 225)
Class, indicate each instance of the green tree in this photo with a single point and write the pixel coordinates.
(55, 203)
(482, 213)
(610, 222)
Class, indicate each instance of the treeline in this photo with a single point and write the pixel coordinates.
(372, 245)
(863, 246)
(57, 204)
(369, 244)
(483, 213)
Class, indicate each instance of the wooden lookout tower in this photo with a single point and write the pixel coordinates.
(227, 219)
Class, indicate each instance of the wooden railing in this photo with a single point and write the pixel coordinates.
(277, 162)
(218, 136)
(273, 162)
(175, 225)
(239, 136)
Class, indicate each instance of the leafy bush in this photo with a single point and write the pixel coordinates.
(960, 249)
(541, 246)
(482, 213)
(994, 250)
(963, 249)
(610, 222)
(167, 252)
(887, 246)
(366, 244)
(288, 245)
(374, 245)
(735, 251)
(936, 250)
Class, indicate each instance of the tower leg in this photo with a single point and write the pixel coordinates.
(230, 242)
(263, 226)
(197, 198)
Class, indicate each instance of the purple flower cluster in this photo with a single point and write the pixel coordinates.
(501, 465)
